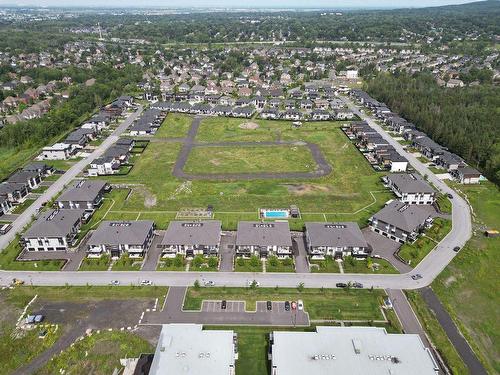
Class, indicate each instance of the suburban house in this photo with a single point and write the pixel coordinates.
(191, 238)
(335, 239)
(80, 137)
(14, 192)
(320, 115)
(388, 158)
(263, 239)
(83, 194)
(31, 178)
(400, 221)
(42, 169)
(102, 166)
(449, 161)
(410, 188)
(428, 147)
(119, 237)
(5, 205)
(58, 151)
(54, 230)
(466, 175)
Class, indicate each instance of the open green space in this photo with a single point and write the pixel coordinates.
(14, 158)
(331, 304)
(468, 287)
(342, 195)
(172, 264)
(274, 264)
(98, 353)
(20, 208)
(175, 125)
(415, 252)
(277, 159)
(253, 264)
(443, 204)
(370, 265)
(10, 253)
(125, 263)
(327, 265)
(95, 264)
(200, 263)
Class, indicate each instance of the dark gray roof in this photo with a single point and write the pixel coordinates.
(344, 234)
(410, 183)
(54, 223)
(402, 216)
(82, 191)
(121, 233)
(258, 233)
(10, 187)
(193, 233)
(23, 176)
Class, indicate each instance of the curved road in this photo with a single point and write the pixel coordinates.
(429, 268)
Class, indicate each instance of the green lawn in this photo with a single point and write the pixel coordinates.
(14, 158)
(468, 287)
(328, 265)
(371, 265)
(99, 353)
(320, 304)
(253, 264)
(437, 334)
(175, 125)
(20, 208)
(284, 158)
(8, 260)
(124, 263)
(172, 264)
(342, 195)
(444, 204)
(200, 263)
(417, 251)
(95, 264)
(274, 264)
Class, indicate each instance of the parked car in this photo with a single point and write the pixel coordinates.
(5, 228)
(223, 304)
(146, 282)
(253, 282)
(287, 306)
(357, 285)
(449, 195)
(417, 276)
(209, 283)
(114, 282)
(456, 249)
(269, 305)
(341, 285)
(17, 281)
(294, 305)
(30, 319)
(39, 318)
(300, 304)
(387, 303)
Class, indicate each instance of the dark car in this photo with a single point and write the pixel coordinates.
(357, 285)
(417, 276)
(456, 249)
(269, 306)
(223, 305)
(449, 195)
(341, 285)
(287, 306)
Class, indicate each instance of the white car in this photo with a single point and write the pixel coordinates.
(114, 282)
(300, 305)
(146, 282)
(209, 283)
(253, 282)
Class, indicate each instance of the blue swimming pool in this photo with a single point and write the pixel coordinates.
(277, 214)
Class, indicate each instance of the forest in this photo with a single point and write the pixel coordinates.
(465, 120)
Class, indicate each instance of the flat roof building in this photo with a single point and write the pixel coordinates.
(263, 239)
(86, 194)
(191, 238)
(350, 350)
(188, 349)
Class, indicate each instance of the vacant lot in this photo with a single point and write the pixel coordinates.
(468, 287)
(283, 158)
(352, 191)
(319, 303)
(175, 125)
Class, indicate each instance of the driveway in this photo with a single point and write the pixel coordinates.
(227, 251)
(213, 314)
(154, 253)
(385, 248)
(300, 253)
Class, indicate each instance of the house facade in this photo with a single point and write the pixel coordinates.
(263, 239)
(410, 188)
(83, 194)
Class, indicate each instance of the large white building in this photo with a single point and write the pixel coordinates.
(189, 349)
(410, 188)
(350, 350)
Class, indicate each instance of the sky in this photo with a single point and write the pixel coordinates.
(236, 4)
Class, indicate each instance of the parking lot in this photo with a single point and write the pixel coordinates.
(216, 306)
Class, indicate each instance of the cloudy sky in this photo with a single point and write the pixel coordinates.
(235, 3)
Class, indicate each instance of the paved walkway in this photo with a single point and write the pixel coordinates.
(300, 253)
(213, 314)
(153, 254)
(322, 166)
(457, 339)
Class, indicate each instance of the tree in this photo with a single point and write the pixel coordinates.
(197, 261)
(178, 261)
(196, 284)
(254, 261)
(273, 261)
(213, 262)
(300, 287)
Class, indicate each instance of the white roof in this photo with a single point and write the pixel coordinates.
(350, 350)
(188, 349)
(58, 146)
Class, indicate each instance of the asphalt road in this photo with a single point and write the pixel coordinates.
(25, 218)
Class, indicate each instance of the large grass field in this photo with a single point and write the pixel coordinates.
(468, 287)
(330, 304)
(175, 125)
(283, 158)
(352, 191)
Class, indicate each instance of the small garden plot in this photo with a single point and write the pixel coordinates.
(200, 263)
(125, 263)
(9, 255)
(274, 264)
(254, 264)
(172, 264)
(369, 265)
(251, 159)
(327, 265)
(20, 208)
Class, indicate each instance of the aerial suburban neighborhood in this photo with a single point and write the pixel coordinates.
(267, 190)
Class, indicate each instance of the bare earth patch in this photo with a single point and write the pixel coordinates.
(149, 198)
(304, 189)
(248, 126)
(215, 162)
(450, 280)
